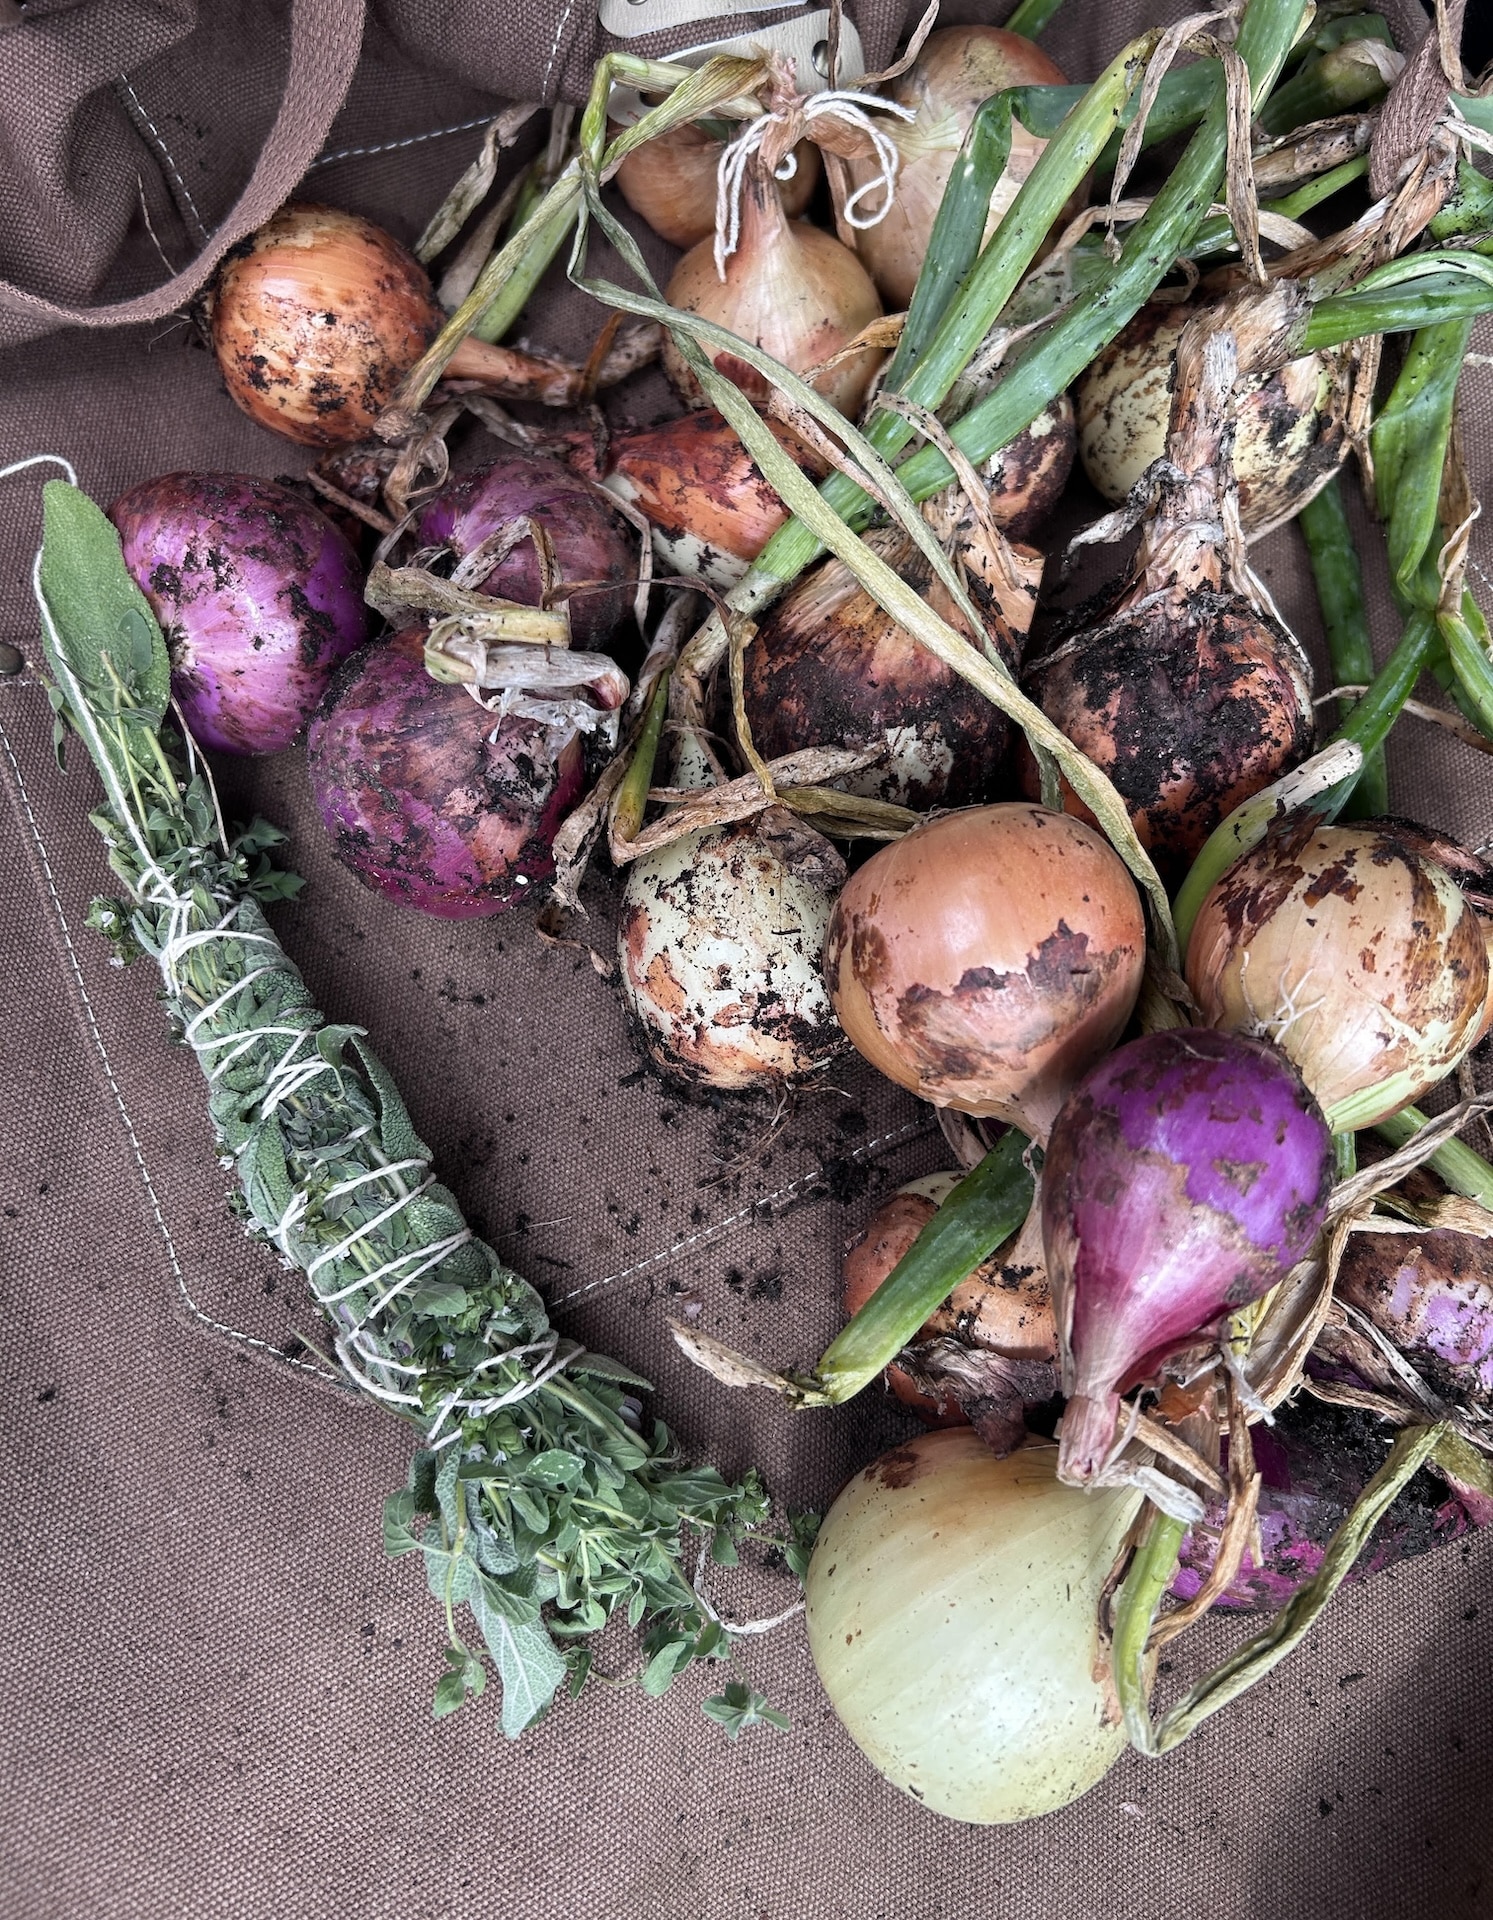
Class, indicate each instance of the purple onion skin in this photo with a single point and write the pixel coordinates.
(1184, 1175)
(1314, 1462)
(1432, 1293)
(422, 804)
(259, 597)
(592, 543)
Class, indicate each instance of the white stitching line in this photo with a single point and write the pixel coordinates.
(714, 1231)
(165, 153)
(391, 146)
(549, 65)
(232, 1333)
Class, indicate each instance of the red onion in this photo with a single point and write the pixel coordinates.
(430, 799)
(595, 550)
(1184, 1176)
(258, 594)
(1432, 1294)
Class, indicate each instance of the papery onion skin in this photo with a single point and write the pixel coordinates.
(958, 69)
(1026, 478)
(952, 1611)
(430, 799)
(999, 1309)
(316, 318)
(1291, 432)
(987, 958)
(711, 510)
(790, 289)
(1190, 704)
(671, 181)
(1353, 950)
(595, 550)
(257, 593)
(1314, 1462)
(717, 952)
(1185, 1175)
(829, 667)
(1431, 1293)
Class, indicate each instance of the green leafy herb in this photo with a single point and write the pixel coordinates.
(740, 1707)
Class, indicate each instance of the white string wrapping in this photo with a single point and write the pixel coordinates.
(837, 103)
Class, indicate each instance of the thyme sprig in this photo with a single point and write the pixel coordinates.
(540, 1501)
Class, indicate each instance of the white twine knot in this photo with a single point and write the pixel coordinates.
(837, 103)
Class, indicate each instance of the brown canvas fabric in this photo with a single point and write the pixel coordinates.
(214, 1689)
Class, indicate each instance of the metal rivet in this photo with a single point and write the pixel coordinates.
(12, 660)
(820, 58)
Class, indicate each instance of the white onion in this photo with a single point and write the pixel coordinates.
(953, 1617)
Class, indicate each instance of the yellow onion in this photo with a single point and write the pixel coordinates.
(1355, 951)
(986, 959)
(952, 1605)
(997, 1309)
(830, 667)
(317, 317)
(709, 507)
(790, 289)
(957, 71)
(671, 181)
(1290, 432)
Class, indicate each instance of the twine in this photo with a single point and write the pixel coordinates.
(792, 124)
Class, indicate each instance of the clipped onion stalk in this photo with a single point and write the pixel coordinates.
(952, 1605)
(437, 801)
(1184, 1177)
(1001, 1313)
(1355, 951)
(1290, 427)
(829, 666)
(593, 549)
(788, 288)
(319, 314)
(958, 69)
(671, 181)
(718, 948)
(257, 593)
(1187, 694)
(986, 959)
(1314, 1461)
(709, 507)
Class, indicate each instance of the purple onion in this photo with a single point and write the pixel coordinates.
(259, 597)
(429, 799)
(1432, 1294)
(595, 549)
(1314, 1462)
(1184, 1175)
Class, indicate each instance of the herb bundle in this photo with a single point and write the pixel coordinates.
(539, 1499)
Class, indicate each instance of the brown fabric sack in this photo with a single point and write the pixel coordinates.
(214, 1690)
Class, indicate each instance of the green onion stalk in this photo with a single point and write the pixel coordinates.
(539, 1501)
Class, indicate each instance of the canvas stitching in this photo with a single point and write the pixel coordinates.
(164, 151)
(218, 1326)
(549, 66)
(392, 146)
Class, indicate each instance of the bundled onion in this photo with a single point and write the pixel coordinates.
(671, 181)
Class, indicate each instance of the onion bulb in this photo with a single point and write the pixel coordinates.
(718, 947)
(1291, 431)
(986, 959)
(1185, 1175)
(1188, 695)
(709, 507)
(671, 181)
(258, 595)
(429, 799)
(829, 666)
(956, 72)
(318, 316)
(952, 1604)
(790, 289)
(998, 1309)
(1354, 951)
(1432, 1294)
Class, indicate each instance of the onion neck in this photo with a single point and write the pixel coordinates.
(764, 224)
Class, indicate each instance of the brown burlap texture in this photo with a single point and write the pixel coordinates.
(215, 1687)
